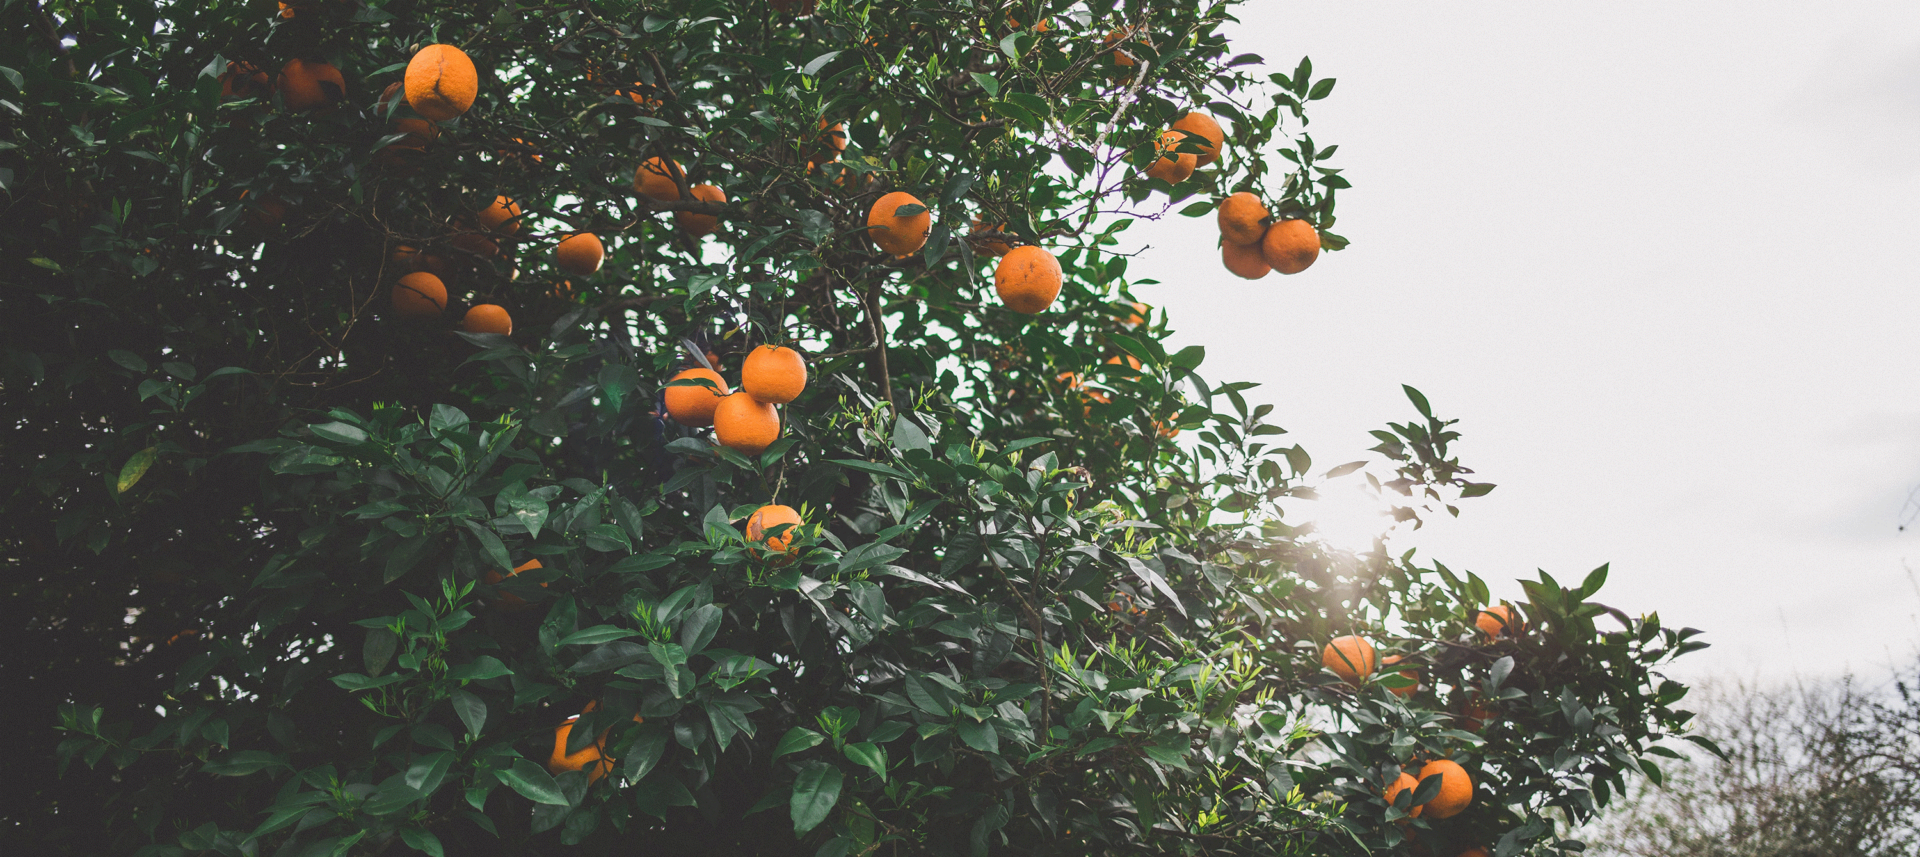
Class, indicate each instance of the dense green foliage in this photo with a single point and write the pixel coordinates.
(1047, 600)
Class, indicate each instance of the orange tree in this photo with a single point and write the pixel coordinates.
(351, 512)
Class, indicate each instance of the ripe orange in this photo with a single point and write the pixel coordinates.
(1243, 219)
(419, 133)
(766, 518)
(580, 253)
(467, 239)
(1123, 60)
(773, 374)
(1290, 246)
(487, 318)
(1141, 312)
(694, 223)
(1403, 692)
(1475, 714)
(394, 92)
(745, 424)
(244, 80)
(1131, 361)
(593, 754)
(1205, 126)
(265, 212)
(1404, 782)
(1028, 279)
(502, 215)
(419, 295)
(989, 243)
(1170, 166)
(1476, 851)
(1500, 620)
(694, 406)
(832, 143)
(406, 257)
(1456, 788)
(902, 236)
(509, 601)
(441, 82)
(1351, 658)
(655, 178)
(1244, 260)
(305, 85)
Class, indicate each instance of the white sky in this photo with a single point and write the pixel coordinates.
(1658, 258)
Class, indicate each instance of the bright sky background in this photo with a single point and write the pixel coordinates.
(1658, 258)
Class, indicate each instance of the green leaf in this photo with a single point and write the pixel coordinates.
(813, 68)
(136, 467)
(491, 543)
(483, 667)
(242, 763)
(979, 736)
(532, 782)
(1419, 401)
(472, 711)
(1476, 489)
(815, 792)
(868, 755)
(422, 840)
(797, 739)
(988, 83)
(1321, 90)
(646, 751)
(127, 359)
(339, 432)
(874, 468)
(597, 634)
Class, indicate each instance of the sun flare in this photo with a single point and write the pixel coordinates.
(1347, 516)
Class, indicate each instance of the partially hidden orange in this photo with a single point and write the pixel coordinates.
(306, 84)
(656, 179)
(1243, 219)
(1168, 165)
(1351, 658)
(487, 318)
(1244, 260)
(1205, 126)
(693, 222)
(899, 234)
(693, 406)
(580, 253)
(1456, 788)
(745, 424)
(1290, 246)
(768, 517)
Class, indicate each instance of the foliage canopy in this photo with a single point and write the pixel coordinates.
(1046, 598)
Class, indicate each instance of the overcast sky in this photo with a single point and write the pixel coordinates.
(1658, 258)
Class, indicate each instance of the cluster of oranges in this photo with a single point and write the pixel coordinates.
(1028, 278)
(1354, 660)
(1250, 247)
(745, 420)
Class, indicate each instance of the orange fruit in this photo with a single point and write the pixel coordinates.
(1351, 658)
(509, 601)
(1129, 361)
(1402, 692)
(1476, 851)
(1456, 788)
(244, 80)
(419, 295)
(1475, 714)
(898, 235)
(655, 179)
(1170, 166)
(1500, 620)
(694, 406)
(580, 253)
(1028, 279)
(562, 290)
(1402, 783)
(593, 754)
(394, 92)
(1204, 126)
(1141, 312)
(487, 318)
(766, 518)
(831, 145)
(502, 215)
(694, 223)
(989, 243)
(1290, 246)
(405, 256)
(441, 82)
(305, 85)
(774, 374)
(1122, 59)
(1243, 219)
(745, 424)
(419, 133)
(1244, 260)
(265, 212)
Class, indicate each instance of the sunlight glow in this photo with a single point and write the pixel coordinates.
(1348, 516)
